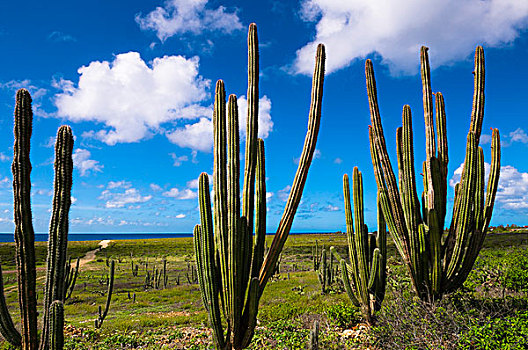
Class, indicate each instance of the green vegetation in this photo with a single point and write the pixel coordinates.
(175, 318)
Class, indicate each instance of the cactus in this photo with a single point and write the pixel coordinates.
(56, 325)
(231, 266)
(102, 314)
(314, 337)
(438, 263)
(367, 253)
(316, 257)
(25, 236)
(325, 273)
(70, 278)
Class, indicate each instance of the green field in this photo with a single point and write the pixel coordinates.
(491, 312)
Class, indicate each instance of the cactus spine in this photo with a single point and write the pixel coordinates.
(367, 253)
(437, 263)
(25, 236)
(102, 314)
(232, 269)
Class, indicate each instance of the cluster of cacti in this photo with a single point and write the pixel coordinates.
(54, 291)
(326, 271)
(134, 267)
(102, 313)
(365, 277)
(438, 263)
(232, 269)
(70, 278)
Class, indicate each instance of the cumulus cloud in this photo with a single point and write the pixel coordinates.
(132, 98)
(180, 194)
(178, 160)
(120, 199)
(199, 136)
(519, 135)
(184, 16)
(512, 192)
(396, 29)
(83, 163)
(265, 123)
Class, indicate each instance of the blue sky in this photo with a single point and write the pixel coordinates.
(135, 81)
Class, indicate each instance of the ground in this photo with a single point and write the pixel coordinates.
(490, 312)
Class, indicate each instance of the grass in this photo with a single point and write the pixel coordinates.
(492, 305)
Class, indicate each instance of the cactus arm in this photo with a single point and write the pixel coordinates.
(493, 180)
(294, 198)
(7, 327)
(234, 239)
(250, 313)
(477, 113)
(427, 103)
(374, 269)
(220, 186)
(24, 234)
(56, 325)
(206, 254)
(348, 283)
(352, 255)
(200, 269)
(467, 194)
(361, 243)
(58, 232)
(260, 218)
(443, 157)
(381, 243)
(388, 178)
(252, 125)
(73, 280)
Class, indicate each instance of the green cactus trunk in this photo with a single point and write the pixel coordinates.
(438, 263)
(102, 313)
(232, 269)
(24, 234)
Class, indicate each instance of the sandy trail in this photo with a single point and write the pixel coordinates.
(89, 256)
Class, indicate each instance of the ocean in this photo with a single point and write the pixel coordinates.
(99, 236)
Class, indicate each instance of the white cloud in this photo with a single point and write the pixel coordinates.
(118, 184)
(155, 187)
(180, 216)
(83, 163)
(317, 154)
(131, 98)
(338, 160)
(512, 192)
(120, 199)
(196, 136)
(396, 30)
(4, 158)
(519, 135)
(265, 123)
(180, 194)
(184, 16)
(199, 136)
(178, 160)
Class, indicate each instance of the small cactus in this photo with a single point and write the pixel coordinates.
(367, 253)
(102, 313)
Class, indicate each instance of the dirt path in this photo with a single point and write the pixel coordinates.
(90, 256)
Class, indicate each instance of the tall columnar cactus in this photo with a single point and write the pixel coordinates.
(367, 253)
(71, 277)
(232, 268)
(56, 325)
(102, 313)
(438, 263)
(24, 234)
